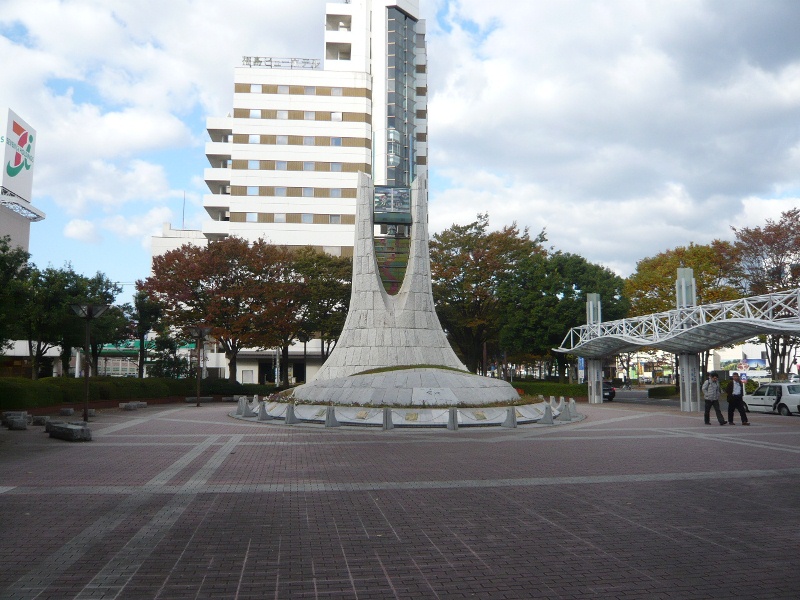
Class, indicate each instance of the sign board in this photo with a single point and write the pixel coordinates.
(19, 143)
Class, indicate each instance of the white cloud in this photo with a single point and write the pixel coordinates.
(83, 231)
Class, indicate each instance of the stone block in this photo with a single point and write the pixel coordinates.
(17, 423)
(66, 412)
(71, 433)
(40, 420)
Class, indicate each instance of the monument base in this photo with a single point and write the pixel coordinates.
(423, 386)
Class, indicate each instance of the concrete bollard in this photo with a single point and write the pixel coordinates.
(263, 415)
(387, 419)
(564, 416)
(511, 418)
(330, 417)
(240, 406)
(247, 410)
(290, 418)
(452, 419)
(547, 419)
(573, 409)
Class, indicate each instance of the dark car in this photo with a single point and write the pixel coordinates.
(609, 391)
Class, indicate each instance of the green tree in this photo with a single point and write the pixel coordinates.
(46, 320)
(326, 294)
(166, 360)
(546, 296)
(651, 287)
(143, 317)
(14, 271)
(468, 264)
(769, 261)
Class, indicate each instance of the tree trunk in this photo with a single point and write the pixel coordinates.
(65, 356)
(142, 355)
(231, 355)
(285, 365)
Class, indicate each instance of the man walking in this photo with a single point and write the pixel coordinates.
(711, 393)
(735, 391)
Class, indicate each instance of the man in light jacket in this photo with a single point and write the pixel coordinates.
(711, 393)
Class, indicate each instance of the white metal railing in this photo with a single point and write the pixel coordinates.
(780, 308)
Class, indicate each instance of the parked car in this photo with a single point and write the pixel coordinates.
(609, 391)
(794, 378)
(781, 397)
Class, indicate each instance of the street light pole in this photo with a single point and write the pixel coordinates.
(87, 312)
(199, 332)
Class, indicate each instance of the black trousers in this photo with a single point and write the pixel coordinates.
(715, 404)
(735, 403)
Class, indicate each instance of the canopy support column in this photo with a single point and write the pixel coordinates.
(689, 377)
(594, 377)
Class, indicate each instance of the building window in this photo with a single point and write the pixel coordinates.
(253, 165)
(308, 166)
(309, 115)
(251, 217)
(336, 116)
(308, 192)
(337, 91)
(252, 190)
(280, 191)
(253, 138)
(255, 113)
(310, 90)
(255, 88)
(335, 219)
(280, 218)
(282, 114)
(336, 141)
(282, 140)
(281, 165)
(283, 89)
(336, 167)
(307, 218)
(336, 192)
(308, 140)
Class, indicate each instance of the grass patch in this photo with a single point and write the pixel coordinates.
(406, 367)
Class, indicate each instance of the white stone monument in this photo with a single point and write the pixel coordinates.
(400, 332)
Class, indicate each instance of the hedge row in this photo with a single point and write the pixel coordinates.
(547, 388)
(20, 393)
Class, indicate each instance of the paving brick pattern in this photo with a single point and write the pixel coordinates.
(185, 502)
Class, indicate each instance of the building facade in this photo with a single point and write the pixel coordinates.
(285, 162)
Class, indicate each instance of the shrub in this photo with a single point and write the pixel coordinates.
(662, 391)
(547, 388)
(19, 393)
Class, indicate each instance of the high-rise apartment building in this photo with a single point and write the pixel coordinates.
(285, 162)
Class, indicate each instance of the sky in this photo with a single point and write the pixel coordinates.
(622, 128)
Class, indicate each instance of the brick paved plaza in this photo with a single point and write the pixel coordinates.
(176, 501)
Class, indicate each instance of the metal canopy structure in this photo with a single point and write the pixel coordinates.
(689, 330)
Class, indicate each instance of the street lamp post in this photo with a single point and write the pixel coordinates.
(87, 312)
(199, 332)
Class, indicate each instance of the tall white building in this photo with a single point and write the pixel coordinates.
(285, 162)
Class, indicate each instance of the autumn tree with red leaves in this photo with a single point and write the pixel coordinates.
(244, 292)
